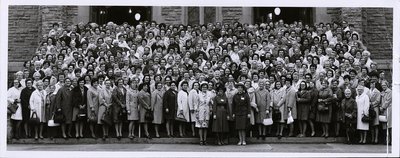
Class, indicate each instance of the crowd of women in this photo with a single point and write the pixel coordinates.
(234, 80)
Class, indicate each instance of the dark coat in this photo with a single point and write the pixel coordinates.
(25, 97)
(64, 101)
(170, 102)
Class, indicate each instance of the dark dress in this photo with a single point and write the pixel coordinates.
(349, 106)
(220, 109)
(303, 105)
(170, 102)
(337, 112)
(25, 97)
(241, 108)
(118, 101)
(326, 116)
(313, 105)
(79, 98)
(64, 101)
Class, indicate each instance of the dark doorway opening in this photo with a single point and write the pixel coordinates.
(288, 14)
(120, 14)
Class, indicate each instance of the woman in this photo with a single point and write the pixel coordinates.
(290, 104)
(313, 106)
(170, 105)
(118, 107)
(251, 92)
(242, 108)
(25, 97)
(303, 107)
(363, 104)
(386, 108)
(13, 97)
(203, 113)
(93, 102)
(64, 102)
(145, 107)
(157, 104)
(105, 106)
(324, 108)
(230, 92)
(132, 106)
(349, 107)
(220, 116)
(375, 102)
(263, 100)
(50, 109)
(79, 101)
(193, 102)
(182, 113)
(277, 97)
(337, 114)
(37, 105)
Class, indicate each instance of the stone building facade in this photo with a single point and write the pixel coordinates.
(28, 23)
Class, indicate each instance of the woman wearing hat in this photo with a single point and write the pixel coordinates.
(241, 112)
(203, 113)
(363, 103)
(220, 116)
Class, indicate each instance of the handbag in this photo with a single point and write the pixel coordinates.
(34, 120)
(106, 118)
(92, 117)
(180, 117)
(382, 118)
(81, 116)
(290, 119)
(12, 108)
(51, 122)
(268, 121)
(365, 118)
(59, 116)
(276, 115)
(149, 116)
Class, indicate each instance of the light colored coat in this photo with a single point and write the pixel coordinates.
(193, 102)
(12, 94)
(387, 105)
(375, 101)
(362, 108)
(38, 102)
(183, 104)
(289, 101)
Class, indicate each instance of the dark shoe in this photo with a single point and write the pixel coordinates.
(157, 136)
(279, 136)
(131, 137)
(104, 137)
(149, 137)
(204, 143)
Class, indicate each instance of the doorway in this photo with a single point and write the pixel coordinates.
(120, 14)
(288, 14)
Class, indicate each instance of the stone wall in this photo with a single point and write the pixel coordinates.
(377, 27)
(171, 15)
(231, 14)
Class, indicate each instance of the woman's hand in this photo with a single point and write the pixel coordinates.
(129, 112)
(166, 110)
(233, 116)
(248, 115)
(215, 117)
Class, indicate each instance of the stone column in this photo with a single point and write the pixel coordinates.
(201, 15)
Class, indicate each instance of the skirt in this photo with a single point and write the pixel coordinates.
(242, 122)
(115, 113)
(325, 117)
(220, 124)
(142, 113)
(75, 112)
(102, 110)
(303, 112)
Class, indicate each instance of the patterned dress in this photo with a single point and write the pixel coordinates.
(203, 110)
(132, 104)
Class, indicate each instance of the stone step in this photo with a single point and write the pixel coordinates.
(285, 140)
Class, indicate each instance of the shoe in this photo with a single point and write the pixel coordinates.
(239, 144)
(41, 137)
(244, 143)
(36, 138)
(157, 136)
(131, 137)
(263, 137)
(279, 136)
(312, 134)
(104, 138)
(51, 138)
(219, 143)
(201, 143)
(204, 143)
(149, 137)
(326, 136)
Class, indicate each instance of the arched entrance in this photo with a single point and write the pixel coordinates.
(119, 14)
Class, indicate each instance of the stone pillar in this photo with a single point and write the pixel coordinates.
(353, 16)
(201, 15)
(83, 14)
(247, 15)
(218, 14)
